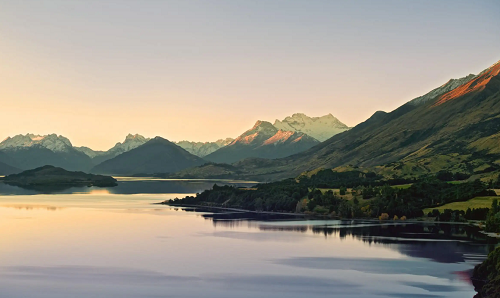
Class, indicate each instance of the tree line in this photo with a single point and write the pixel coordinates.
(371, 195)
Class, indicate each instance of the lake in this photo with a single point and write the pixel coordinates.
(91, 242)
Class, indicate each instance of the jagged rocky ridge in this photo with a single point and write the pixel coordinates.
(320, 128)
(264, 140)
(203, 149)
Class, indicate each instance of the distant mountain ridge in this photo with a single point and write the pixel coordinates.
(52, 142)
(157, 155)
(202, 149)
(23, 152)
(263, 140)
(320, 128)
(89, 152)
(131, 141)
(31, 151)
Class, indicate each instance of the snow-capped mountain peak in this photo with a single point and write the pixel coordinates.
(52, 142)
(131, 137)
(131, 142)
(280, 137)
(263, 126)
(477, 83)
(448, 86)
(261, 129)
(202, 149)
(451, 85)
(320, 128)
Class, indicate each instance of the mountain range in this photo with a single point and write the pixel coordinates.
(203, 149)
(454, 127)
(131, 142)
(263, 140)
(23, 152)
(32, 151)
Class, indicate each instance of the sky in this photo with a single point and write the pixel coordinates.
(95, 71)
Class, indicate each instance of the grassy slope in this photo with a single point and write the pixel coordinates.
(402, 186)
(479, 202)
(460, 135)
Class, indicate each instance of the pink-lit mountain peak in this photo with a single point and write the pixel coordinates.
(478, 83)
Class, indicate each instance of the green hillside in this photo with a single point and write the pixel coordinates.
(457, 131)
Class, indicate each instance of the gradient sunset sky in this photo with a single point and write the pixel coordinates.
(95, 71)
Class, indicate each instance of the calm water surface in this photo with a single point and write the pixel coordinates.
(104, 244)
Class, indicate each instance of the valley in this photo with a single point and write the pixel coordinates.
(434, 159)
(249, 149)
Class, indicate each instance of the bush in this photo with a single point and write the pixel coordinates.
(384, 216)
(493, 223)
(342, 191)
(320, 210)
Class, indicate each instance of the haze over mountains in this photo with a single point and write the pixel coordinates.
(203, 149)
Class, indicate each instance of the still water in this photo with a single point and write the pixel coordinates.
(99, 243)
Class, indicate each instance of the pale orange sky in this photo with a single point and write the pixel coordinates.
(201, 70)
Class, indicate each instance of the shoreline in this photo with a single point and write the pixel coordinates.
(318, 217)
(232, 209)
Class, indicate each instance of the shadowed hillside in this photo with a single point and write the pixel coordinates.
(156, 156)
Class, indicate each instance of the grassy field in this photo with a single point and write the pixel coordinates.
(455, 182)
(402, 186)
(405, 186)
(479, 202)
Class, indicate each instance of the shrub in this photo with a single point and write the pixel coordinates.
(384, 216)
(320, 210)
(342, 190)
